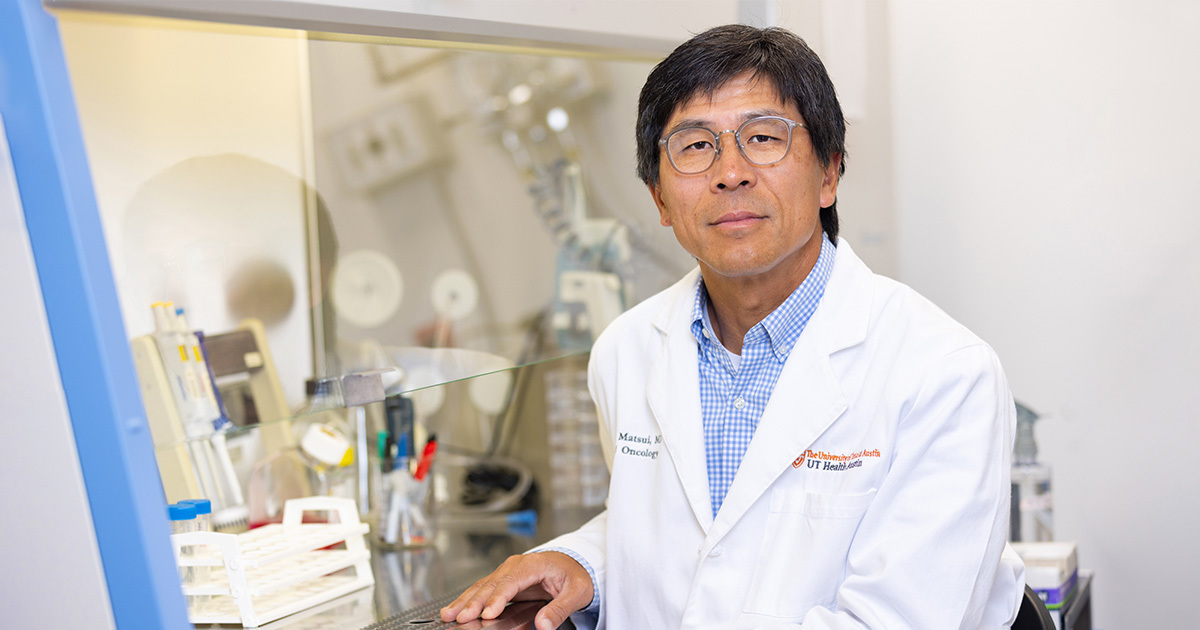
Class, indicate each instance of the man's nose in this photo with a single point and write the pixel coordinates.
(732, 169)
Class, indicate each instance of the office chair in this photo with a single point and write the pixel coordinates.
(1033, 614)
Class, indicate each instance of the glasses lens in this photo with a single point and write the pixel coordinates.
(765, 140)
(692, 149)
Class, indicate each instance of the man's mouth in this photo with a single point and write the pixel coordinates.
(737, 219)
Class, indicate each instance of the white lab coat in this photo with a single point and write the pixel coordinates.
(895, 518)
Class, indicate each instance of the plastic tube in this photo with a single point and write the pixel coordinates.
(183, 521)
(200, 573)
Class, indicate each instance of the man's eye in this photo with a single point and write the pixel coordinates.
(699, 145)
(762, 138)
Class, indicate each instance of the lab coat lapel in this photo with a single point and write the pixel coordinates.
(673, 393)
(808, 397)
(806, 400)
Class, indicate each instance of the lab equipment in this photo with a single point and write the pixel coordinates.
(186, 420)
(276, 570)
(203, 523)
(318, 465)
(399, 416)
(228, 487)
(183, 521)
(514, 616)
(426, 461)
(1032, 503)
(203, 513)
(325, 438)
(519, 523)
(405, 514)
(1051, 569)
(276, 479)
(404, 511)
(578, 472)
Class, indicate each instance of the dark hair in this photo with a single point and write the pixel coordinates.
(704, 63)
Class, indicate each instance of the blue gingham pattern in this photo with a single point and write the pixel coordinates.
(732, 399)
(593, 608)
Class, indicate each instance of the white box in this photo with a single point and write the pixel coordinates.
(1051, 569)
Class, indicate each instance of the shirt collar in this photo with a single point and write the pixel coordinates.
(784, 325)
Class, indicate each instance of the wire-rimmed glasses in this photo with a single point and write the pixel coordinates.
(764, 141)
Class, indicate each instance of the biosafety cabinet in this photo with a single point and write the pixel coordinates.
(437, 193)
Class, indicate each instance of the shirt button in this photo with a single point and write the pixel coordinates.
(739, 403)
(716, 552)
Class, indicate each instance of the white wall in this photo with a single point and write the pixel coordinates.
(48, 550)
(1046, 190)
(852, 37)
(156, 103)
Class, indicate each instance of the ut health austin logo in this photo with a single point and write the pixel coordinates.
(834, 461)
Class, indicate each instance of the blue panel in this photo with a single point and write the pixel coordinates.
(115, 448)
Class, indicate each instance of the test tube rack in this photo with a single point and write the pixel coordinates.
(273, 571)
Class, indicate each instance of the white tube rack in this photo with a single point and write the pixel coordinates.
(275, 570)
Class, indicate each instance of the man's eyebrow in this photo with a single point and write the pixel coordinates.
(687, 122)
(707, 124)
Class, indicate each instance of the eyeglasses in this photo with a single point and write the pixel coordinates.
(763, 141)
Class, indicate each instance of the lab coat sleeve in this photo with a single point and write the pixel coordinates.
(927, 553)
(588, 543)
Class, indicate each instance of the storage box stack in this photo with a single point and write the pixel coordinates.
(1052, 570)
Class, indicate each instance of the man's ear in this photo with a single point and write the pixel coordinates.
(829, 181)
(664, 217)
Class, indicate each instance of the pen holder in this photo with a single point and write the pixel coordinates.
(405, 515)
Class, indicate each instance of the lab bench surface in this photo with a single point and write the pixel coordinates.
(409, 578)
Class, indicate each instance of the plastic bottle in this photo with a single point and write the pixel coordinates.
(1032, 508)
(276, 478)
(320, 464)
(326, 439)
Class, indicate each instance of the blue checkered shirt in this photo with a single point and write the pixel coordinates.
(733, 397)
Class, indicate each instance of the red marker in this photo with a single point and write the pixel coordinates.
(426, 458)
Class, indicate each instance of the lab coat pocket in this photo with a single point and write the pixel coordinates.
(802, 560)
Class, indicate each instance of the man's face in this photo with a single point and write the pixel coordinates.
(737, 218)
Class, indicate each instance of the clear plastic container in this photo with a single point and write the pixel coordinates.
(274, 480)
(200, 574)
(183, 521)
(1032, 507)
(405, 514)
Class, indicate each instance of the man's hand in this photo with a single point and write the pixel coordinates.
(536, 576)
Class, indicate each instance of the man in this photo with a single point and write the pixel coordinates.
(794, 441)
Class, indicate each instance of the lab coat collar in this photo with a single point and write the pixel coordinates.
(844, 296)
(673, 393)
(797, 413)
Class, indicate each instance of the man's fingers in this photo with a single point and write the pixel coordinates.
(550, 616)
(530, 576)
(470, 602)
(487, 598)
(521, 580)
(474, 606)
